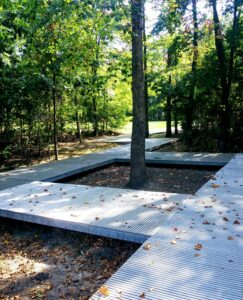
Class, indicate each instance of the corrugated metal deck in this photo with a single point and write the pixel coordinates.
(197, 254)
(118, 213)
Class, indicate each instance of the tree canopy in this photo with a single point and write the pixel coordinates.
(66, 70)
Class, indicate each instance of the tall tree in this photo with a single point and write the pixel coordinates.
(145, 74)
(223, 78)
(225, 71)
(190, 103)
(138, 167)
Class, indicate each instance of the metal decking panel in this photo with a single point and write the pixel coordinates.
(174, 272)
(171, 268)
(119, 213)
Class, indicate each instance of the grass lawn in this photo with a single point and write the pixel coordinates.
(153, 125)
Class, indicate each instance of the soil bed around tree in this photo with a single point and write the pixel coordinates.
(40, 262)
(161, 179)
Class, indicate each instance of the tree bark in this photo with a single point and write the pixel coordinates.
(54, 116)
(94, 103)
(145, 75)
(233, 47)
(176, 118)
(79, 136)
(190, 104)
(224, 111)
(168, 112)
(138, 168)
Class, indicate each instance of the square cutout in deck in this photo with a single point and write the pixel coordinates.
(169, 179)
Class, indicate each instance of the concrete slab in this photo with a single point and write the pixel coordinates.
(118, 213)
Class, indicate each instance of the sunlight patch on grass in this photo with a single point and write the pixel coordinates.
(153, 125)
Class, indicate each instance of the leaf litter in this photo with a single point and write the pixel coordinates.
(39, 262)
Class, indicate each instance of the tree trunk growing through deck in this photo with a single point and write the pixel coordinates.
(138, 168)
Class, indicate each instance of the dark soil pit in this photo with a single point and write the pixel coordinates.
(40, 262)
(162, 179)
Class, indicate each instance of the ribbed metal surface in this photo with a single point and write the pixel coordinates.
(124, 214)
(172, 268)
(173, 272)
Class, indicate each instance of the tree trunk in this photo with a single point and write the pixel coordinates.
(176, 118)
(54, 117)
(145, 75)
(190, 104)
(224, 107)
(168, 113)
(138, 168)
(79, 136)
(233, 47)
(94, 71)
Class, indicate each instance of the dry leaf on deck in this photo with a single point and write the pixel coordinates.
(198, 247)
(104, 291)
(147, 246)
(213, 185)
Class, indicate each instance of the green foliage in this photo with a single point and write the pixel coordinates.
(67, 48)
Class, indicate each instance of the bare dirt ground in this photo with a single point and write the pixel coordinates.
(171, 180)
(38, 262)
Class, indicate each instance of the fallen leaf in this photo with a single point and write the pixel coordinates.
(104, 291)
(213, 185)
(147, 246)
(206, 222)
(198, 247)
(230, 238)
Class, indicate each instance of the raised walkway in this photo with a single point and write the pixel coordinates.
(197, 254)
(56, 170)
(192, 245)
(117, 213)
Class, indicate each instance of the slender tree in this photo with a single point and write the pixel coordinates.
(145, 74)
(138, 168)
(189, 106)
